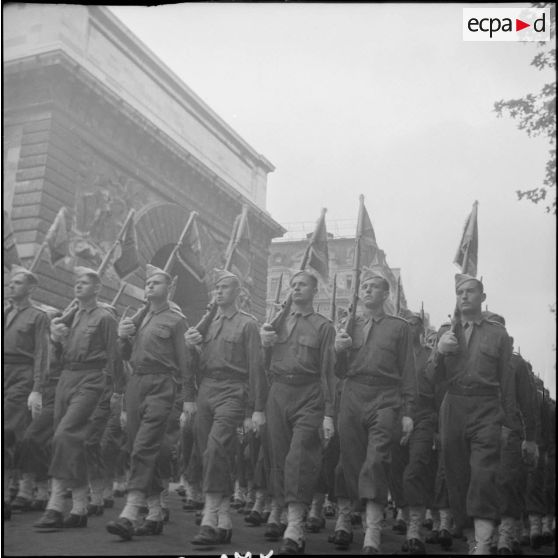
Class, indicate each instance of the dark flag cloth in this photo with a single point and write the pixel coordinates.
(466, 257)
(365, 232)
(398, 297)
(128, 260)
(189, 254)
(10, 254)
(57, 237)
(241, 261)
(318, 257)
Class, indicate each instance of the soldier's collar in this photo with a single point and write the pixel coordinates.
(89, 307)
(163, 307)
(228, 313)
(477, 322)
(378, 318)
(19, 307)
(303, 314)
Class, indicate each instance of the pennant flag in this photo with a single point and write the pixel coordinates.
(57, 237)
(365, 232)
(189, 254)
(10, 253)
(467, 254)
(128, 260)
(241, 261)
(318, 256)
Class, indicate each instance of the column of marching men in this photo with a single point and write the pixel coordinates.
(454, 434)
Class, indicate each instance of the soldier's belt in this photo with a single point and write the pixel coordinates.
(158, 370)
(373, 381)
(295, 379)
(17, 359)
(483, 391)
(81, 366)
(226, 375)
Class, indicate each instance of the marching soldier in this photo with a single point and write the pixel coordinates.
(26, 347)
(88, 353)
(380, 387)
(300, 401)
(415, 464)
(159, 363)
(518, 451)
(232, 389)
(475, 360)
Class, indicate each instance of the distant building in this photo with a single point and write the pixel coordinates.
(286, 255)
(94, 121)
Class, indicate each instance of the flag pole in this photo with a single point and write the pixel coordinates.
(106, 259)
(170, 260)
(48, 236)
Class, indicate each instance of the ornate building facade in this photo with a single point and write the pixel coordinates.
(95, 122)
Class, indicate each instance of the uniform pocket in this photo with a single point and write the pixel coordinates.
(233, 349)
(308, 350)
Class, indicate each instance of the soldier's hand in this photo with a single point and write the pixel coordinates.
(247, 425)
(192, 337)
(58, 330)
(328, 428)
(116, 402)
(189, 408)
(407, 428)
(268, 335)
(35, 403)
(126, 328)
(530, 453)
(447, 343)
(123, 420)
(258, 421)
(343, 341)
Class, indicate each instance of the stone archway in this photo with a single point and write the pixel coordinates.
(158, 228)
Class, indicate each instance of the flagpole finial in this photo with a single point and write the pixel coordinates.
(324, 210)
(361, 198)
(476, 202)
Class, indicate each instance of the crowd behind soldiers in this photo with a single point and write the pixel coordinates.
(292, 424)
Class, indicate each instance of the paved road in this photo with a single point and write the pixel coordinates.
(20, 539)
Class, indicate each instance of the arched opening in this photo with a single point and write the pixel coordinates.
(190, 294)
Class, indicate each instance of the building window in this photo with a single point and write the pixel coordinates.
(348, 282)
(273, 286)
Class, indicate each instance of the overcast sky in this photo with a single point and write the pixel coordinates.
(385, 100)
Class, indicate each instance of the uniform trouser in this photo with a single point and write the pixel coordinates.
(413, 466)
(294, 416)
(113, 455)
(169, 453)
(535, 500)
(512, 478)
(149, 401)
(97, 424)
(35, 450)
(221, 409)
(193, 472)
(470, 429)
(77, 396)
(367, 421)
(17, 384)
(330, 458)
(263, 463)
(186, 446)
(441, 499)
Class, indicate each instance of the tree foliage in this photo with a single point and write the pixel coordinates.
(536, 114)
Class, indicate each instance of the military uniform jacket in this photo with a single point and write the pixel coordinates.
(382, 354)
(426, 389)
(91, 342)
(158, 348)
(26, 339)
(232, 348)
(480, 365)
(305, 346)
